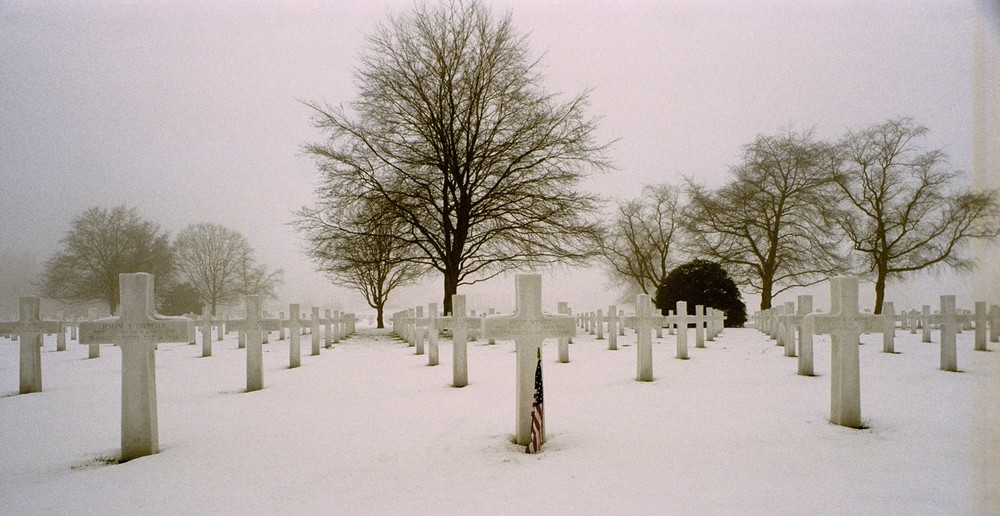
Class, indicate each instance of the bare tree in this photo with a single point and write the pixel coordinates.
(361, 250)
(771, 225)
(453, 131)
(254, 279)
(637, 244)
(210, 258)
(903, 214)
(100, 245)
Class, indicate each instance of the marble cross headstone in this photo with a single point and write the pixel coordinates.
(528, 327)
(613, 323)
(925, 333)
(328, 323)
(137, 331)
(30, 329)
(294, 326)
(419, 323)
(805, 307)
(889, 334)
(254, 327)
(790, 321)
(949, 324)
(314, 330)
(432, 335)
(844, 324)
(563, 308)
(206, 331)
(682, 319)
(460, 326)
(644, 321)
(61, 334)
(699, 326)
(980, 317)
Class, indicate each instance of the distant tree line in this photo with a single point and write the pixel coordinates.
(797, 210)
(206, 264)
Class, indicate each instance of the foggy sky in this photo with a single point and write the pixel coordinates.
(191, 112)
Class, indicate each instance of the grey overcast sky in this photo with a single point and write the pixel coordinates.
(188, 110)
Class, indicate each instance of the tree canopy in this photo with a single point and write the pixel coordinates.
(637, 244)
(100, 245)
(903, 210)
(706, 283)
(772, 224)
(454, 134)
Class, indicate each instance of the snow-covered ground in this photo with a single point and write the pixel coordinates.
(369, 428)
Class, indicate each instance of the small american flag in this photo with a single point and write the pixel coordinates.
(537, 412)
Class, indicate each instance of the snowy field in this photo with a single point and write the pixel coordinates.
(369, 428)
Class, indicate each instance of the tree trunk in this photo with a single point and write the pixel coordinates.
(879, 290)
(450, 288)
(766, 288)
(380, 320)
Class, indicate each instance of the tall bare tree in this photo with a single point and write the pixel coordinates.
(100, 245)
(453, 131)
(771, 226)
(361, 250)
(904, 212)
(210, 258)
(637, 244)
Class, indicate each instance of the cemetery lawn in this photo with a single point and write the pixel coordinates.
(368, 428)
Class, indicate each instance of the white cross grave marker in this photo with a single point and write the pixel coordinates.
(644, 321)
(314, 330)
(889, 333)
(206, 331)
(682, 319)
(419, 323)
(563, 308)
(254, 327)
(528, 327)
(949, 324)
(980, 318)
(844, 324)
(137, 331)
(460, 325)
(432, 335)
(294, 325)
(30, 329)
(613, 323)
(805, 307)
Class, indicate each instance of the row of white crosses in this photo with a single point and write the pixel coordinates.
(411, 326)
(33, 328)
(528, 327)
(337, 325)
(845, 324)
(30, 330)
(784, 322)
(137, 331)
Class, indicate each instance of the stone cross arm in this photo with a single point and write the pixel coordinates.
(833, 323)
(450, 322)
(29, 327)
(255, 325)
(138, 321)
(30, 322)
(159, 329)
(502, 327)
